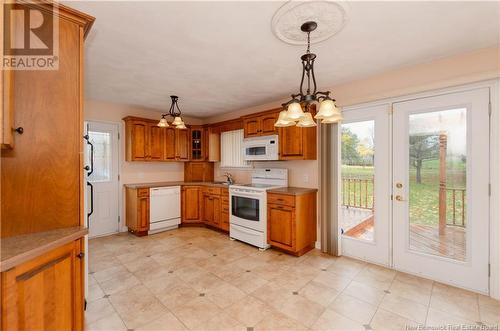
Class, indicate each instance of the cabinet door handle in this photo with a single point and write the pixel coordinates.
(81, 255)
(19, 130)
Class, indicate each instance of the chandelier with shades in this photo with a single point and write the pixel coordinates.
(297, 110)
(174, 112)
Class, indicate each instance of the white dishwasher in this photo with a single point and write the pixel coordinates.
(164, 208)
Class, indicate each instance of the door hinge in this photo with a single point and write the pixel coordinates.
(489, 269)
(118, 219)
(489, 189)
(118, 135)
(489, 108)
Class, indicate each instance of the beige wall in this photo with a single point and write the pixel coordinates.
(460, 69)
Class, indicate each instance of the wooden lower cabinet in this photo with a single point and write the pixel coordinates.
(191, 201)
(291, 222)
(224, 211)
(281, 225)
(211, 209)
(137, 210)
(45, 293)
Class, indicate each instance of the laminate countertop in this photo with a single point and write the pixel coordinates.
(293, 190)
(165, 184)
(19, 249)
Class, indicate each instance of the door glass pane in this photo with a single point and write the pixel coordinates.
(102, 156)
(437, 192)
(358, 155)
(246, 208)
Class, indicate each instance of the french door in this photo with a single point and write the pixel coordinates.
(415, 187)
(365, 181)
(440, 188)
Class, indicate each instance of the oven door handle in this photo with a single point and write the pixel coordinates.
(243, 195)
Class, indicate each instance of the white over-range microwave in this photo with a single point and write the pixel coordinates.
(263, 148)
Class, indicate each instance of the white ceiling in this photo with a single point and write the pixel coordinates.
(222, 56)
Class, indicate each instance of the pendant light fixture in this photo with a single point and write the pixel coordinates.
(296, 111)
(174, 112)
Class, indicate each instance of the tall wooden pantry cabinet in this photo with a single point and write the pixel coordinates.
(42, 183)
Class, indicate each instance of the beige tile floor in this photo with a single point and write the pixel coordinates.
(197, 279)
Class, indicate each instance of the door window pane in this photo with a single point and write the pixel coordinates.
(102, 156)
(358, 203)
(437, 183)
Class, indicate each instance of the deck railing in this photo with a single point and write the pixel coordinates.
(358, 192)
(457, 198)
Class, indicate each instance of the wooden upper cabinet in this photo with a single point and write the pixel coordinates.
(298, 143)
(251, 127)
(146, 141)
(182, 144)
(261, 124)
(291, 145)
(137, 137)
(267, 124)
(198, 144)
(169, 144)
(156, 142)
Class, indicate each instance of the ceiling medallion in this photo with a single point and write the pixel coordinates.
(296, 111)
(330, 17)
(174, 112)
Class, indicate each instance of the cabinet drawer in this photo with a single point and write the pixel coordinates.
(213, 190)
(143, 192)
(225, 208)
(281, 199)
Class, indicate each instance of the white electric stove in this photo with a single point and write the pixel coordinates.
(248, 206)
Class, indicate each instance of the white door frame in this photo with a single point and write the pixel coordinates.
(471, 274)
(379, 250)
(118, 127)
(494, 85)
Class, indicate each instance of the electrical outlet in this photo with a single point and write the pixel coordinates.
(306, 178)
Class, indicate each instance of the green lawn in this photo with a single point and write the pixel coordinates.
(424, 206)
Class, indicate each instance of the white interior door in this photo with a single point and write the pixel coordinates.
(104, 178)
(365, 184)
(440, 187)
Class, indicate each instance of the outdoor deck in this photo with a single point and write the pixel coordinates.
(425, 238)
(359, 223)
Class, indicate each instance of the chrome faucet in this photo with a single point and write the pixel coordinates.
(229, 178)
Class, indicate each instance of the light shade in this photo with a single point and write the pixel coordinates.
(327, 108)
(294, 111)
(177, 121)
(181, 126)
(306, 121)
(332, 119)
(283, 120)
(163, 123)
